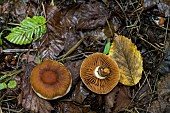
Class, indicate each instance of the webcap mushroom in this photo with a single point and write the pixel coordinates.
(99, 73)
(50, 80)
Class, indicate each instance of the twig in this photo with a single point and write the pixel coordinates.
(15, 50)
(122, 10)
(138, 90)
(9, 99)
(16, 24)
(166, 32)
(74, 56)
(44, 10)
(141, 37)
(15, 111)
(74, 47)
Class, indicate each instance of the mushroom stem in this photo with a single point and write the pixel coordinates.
(101, 72)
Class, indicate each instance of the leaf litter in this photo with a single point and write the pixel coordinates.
(69, 22)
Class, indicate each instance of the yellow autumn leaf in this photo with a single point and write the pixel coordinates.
(128, 58)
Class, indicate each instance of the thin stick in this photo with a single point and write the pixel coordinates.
(74, 56)
(141, 37)
(12, 110)
(74, 47)
(16, 50)
(44, 10)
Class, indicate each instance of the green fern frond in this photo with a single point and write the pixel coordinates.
(29, 30)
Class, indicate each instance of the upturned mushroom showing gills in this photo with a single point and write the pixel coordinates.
(99, 73)
(50, 80)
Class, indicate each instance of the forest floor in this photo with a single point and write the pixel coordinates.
(76, 29)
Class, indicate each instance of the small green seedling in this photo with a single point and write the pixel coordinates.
(8, 80)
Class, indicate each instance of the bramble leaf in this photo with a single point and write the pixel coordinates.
(12, 84)
(3, 85)
(128, 58)
(29, 30)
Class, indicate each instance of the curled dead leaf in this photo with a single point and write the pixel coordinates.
(128, 59)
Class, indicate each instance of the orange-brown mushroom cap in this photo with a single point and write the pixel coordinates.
(51, 80)
(103, 84)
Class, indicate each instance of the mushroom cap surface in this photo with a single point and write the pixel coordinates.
(50, 80)
(95, 84)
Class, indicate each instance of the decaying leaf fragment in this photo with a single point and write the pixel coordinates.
(128, 59)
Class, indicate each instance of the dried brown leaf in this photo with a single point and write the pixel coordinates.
(128, 58)
(70, 40)
(110, 99)
(68, 107)
(124, 94)
(28, 98)
(49, 46)
(22, 10)
(86, 16)
(74, 68)
(80, 93)
(113, 100)
(53, 20)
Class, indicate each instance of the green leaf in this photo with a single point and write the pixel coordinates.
(29, 30)
(1, 38)
(39, 60)
(3, 77)
(12, 84)
(3, 85)
(107, 48)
